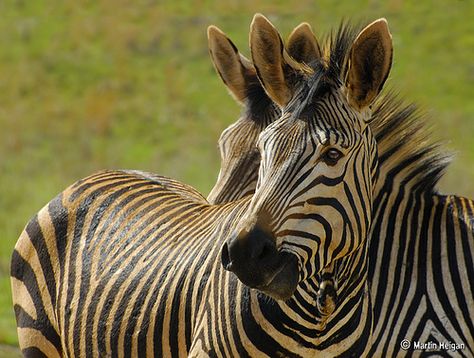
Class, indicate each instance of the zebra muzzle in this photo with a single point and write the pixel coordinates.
(254, 258)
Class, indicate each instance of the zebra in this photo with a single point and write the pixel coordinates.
(239, 154)
(54, 221)
(409, 169)
(127, 263)
(258, 112)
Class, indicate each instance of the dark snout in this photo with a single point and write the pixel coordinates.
(253, 257)
(248, 254)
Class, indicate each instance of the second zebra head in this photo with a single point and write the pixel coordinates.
(240, 157)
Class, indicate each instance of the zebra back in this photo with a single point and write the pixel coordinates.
(121, 260)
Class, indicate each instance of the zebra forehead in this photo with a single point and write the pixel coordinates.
(333, 111)
(318, 128)
(327, 120)
(322, 103)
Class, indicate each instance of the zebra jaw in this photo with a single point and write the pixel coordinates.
(284, 281)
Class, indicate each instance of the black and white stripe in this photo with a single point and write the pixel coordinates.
(422, 243)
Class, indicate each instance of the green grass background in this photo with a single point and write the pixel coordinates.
(90, 85)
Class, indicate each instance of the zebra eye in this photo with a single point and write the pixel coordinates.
(331, 156)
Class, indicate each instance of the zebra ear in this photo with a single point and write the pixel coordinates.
(302, 44)
(234, 69)
(274, 66)
(370, 62)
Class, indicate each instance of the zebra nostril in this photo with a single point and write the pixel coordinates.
(225, 258)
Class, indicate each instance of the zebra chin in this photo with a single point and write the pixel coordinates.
(285, 280)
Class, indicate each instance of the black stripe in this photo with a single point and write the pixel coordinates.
(33, 229)
(59, 218)
(22, 271)
(33, 352)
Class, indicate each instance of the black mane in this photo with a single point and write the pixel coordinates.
(405, 144)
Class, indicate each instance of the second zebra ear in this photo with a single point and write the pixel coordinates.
(234, 69)
(302, 44)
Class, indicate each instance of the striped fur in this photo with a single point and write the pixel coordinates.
(126, 263)
(133, 261)
(409, 169)
(422, 242)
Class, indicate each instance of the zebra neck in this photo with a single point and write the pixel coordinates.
(421, 246)
(345, 283)
(396, 212)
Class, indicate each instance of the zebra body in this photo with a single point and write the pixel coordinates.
(422, 285)
(421, 244)
(180, 301)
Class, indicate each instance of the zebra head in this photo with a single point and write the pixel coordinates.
(240, 157)
(313, 199)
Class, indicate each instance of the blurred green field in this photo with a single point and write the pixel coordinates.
(91, 85)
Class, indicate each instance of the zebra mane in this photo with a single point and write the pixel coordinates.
(405, 145)
(400, 128)
(331, 69)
